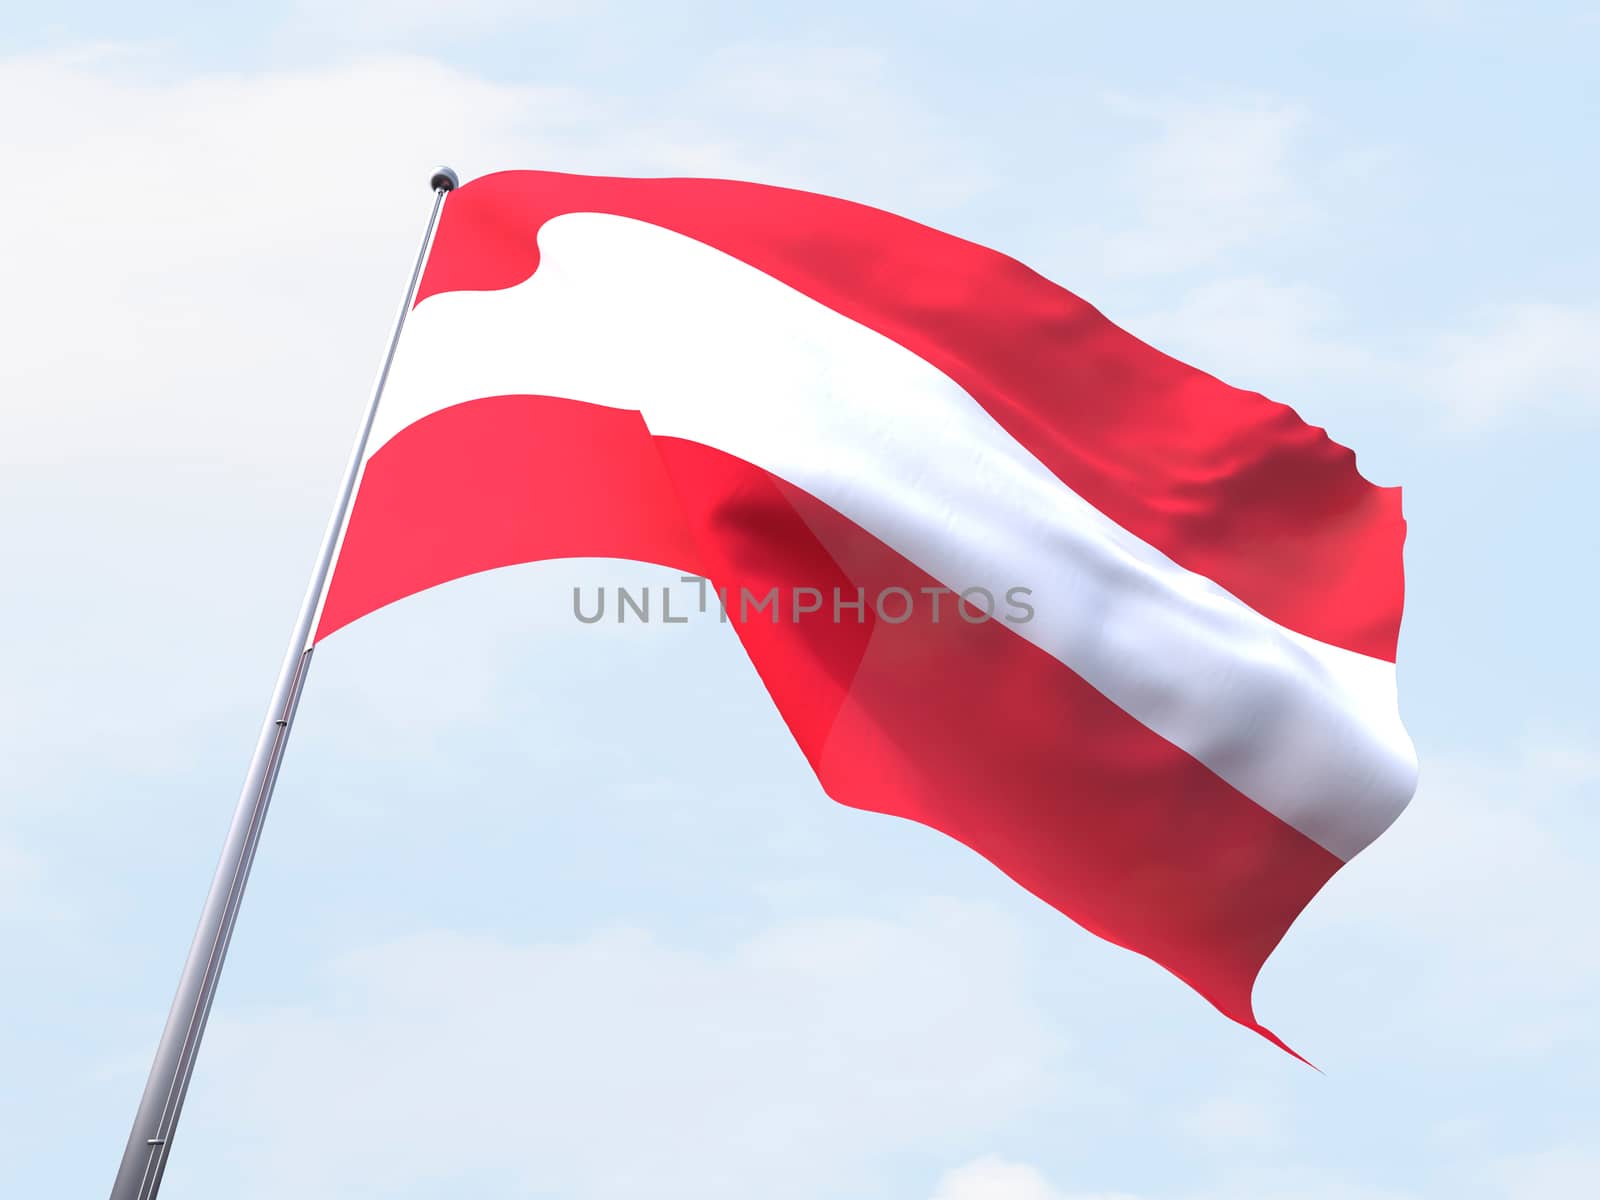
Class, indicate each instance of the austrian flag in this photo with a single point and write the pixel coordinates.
(1196, 725)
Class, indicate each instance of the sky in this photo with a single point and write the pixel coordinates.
(557, 911)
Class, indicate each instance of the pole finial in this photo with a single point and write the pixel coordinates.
(444, 180)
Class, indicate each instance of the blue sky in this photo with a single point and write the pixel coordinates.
(550, 910)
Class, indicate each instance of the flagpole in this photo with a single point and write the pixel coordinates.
(145, 1158)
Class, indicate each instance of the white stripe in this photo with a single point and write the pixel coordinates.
(628, 315)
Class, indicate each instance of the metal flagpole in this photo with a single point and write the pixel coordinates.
(145, 1158)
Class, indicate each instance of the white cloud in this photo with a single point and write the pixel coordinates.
(1217, 177)
(1524, 361)
(392, 22)
(1228, 1121)
(996, 1179)
(212, 261)
(837, 120)
(620, 1066)
(1555, 1174)
(1567, 764)
(1220, 182)
(210, 266)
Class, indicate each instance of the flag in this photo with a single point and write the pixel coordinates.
(1124, 630)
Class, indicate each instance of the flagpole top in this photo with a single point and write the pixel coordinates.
(444, 180)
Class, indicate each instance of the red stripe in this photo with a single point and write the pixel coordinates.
(1224, 481)
(425, 513)
(966, 728)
